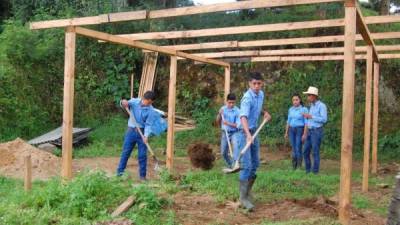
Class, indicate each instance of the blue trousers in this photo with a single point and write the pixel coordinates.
(295, 134)
(250, 161)
(132, 137)
(313, 142)
(225, 147)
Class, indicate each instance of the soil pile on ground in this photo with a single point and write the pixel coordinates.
(201, 156)
(12, 154)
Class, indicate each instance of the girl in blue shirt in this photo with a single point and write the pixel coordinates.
(296, 129)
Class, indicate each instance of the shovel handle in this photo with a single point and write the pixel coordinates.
(227, 138)
(252, 139)
(131, 117)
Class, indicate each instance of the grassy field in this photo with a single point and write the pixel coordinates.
(92, 195)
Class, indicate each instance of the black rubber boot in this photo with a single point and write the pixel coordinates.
(251, 183)
(244, 200)
(294, 163)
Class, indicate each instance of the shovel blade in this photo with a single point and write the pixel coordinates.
(234, 169)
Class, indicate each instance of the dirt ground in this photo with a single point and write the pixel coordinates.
(198, 209)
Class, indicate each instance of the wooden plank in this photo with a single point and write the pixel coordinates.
(220, 7)
(347, 115)
(124, 206)
(68, 105)
(381, 19)
(367, 120)
(132, 83)
(277, 42)
(366, 34)
(235, 30)
(227, 86)
(28, 173)
(137, 44)
(375, 117)
(171, 113)
(165, 13)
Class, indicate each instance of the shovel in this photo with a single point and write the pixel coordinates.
(227, 138)
(132, 118)
(236, 167)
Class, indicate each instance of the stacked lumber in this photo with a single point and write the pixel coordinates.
(181, 123)
(148, 77)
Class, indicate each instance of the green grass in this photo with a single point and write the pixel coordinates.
(312, 221)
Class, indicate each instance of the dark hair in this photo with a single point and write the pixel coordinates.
(297, 95)
(231, 97)
(255, 76)
(149, 95)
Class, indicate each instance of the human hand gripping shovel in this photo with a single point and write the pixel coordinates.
(132, 118)
(236, 167)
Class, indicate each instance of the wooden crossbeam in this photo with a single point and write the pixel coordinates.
(288, 52)
(254, 28)
(338, 57)
(165, 13)
(137, 44)
(235, 30)
(366, 34)
(276, 42)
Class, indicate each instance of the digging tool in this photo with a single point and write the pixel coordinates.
(236, 167)
(132, 118)
(227, 138)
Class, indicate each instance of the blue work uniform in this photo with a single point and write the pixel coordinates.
(230, 115)
(149, 122)
(296, 122)
(250, 107)
(315, 125)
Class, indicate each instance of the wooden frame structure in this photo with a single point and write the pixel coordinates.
(352, 21)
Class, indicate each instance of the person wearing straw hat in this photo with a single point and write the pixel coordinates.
(316, 119)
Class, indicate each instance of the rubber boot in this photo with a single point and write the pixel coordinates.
(244, 201)
(294, 163)
(251, 183)
(299, 162)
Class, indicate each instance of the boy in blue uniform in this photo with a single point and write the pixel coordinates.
(250, 110)
(227, 117)
(147, 120)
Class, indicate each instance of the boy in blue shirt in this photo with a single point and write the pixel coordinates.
(250, 110)
(149, 122)
(227, 117)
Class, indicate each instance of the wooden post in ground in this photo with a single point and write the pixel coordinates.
(68, 106)
(132, 83)
(28, 173)
(367, 120)
(227, 88)
(347, 112)
(374, 161)
(171, 113)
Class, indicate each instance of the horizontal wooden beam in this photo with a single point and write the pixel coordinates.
(138, 44)
(235, 30)
(366, 34)
(277, 42)
(287, 52)
(164, 13)
(307, 58)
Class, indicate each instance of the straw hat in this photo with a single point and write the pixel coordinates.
(311, 91)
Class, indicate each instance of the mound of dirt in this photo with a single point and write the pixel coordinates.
(201, 156)
(12, 154)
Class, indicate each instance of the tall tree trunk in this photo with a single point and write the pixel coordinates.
(384, 7)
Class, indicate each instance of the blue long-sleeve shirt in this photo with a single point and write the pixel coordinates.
(319, 115)
(251, 107)
(231, 115)
(146, 117)
(295, 116)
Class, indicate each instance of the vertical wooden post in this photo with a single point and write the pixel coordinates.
(171, 113)
(132, 76)
(227, 88)
(347, 113)
(367, 120)
(68, 107)
(28, 173)
(374, 163)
